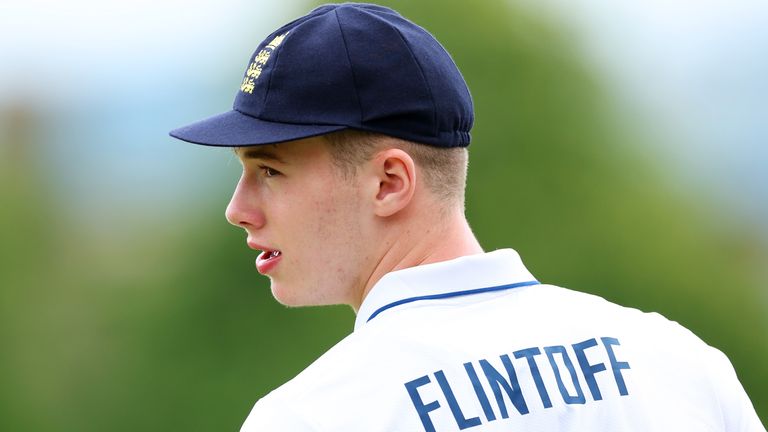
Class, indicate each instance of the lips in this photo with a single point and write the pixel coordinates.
(267, 260)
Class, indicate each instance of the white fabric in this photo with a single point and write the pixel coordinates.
(439, 363)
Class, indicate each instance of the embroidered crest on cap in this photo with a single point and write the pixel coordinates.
(255, 68)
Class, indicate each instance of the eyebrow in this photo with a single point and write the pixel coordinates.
(256, 153)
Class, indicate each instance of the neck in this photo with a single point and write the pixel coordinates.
(428, 243)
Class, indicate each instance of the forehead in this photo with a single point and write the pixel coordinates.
(304, 150)
(260, 152)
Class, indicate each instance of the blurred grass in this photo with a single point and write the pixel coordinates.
(165, 325)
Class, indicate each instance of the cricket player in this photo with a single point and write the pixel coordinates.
(352, 125)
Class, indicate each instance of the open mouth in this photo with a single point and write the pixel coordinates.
(268, 255)
(267, 260)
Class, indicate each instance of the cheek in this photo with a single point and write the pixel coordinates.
(330, 226)
(336, 230)
(313, 227)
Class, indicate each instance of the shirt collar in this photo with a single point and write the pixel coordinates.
(471, 274)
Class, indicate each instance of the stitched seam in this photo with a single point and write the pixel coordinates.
(271, 74)
(351, 68)
(293, 26)
(436, 131)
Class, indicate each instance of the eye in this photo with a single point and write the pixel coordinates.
(269, 172)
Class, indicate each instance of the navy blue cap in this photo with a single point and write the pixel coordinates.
(345, 66)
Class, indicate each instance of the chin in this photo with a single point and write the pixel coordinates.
(290, 296)
(286, 297)
(293, 296)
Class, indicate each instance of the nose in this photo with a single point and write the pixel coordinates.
(244, 209)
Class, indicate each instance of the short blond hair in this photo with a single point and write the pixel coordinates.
(444, 169)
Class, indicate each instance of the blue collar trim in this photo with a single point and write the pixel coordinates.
(451, 294)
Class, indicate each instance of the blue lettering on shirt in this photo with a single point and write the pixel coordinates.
(589, 370)
(567, 398)
(421, 408)
(461, 422)
(480, 392)
(616, 366)
(529, 354)
(560, 366)
(511, 386)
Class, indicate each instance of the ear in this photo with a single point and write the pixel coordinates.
(396, 174)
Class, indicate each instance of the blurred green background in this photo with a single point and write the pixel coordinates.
(128, 303)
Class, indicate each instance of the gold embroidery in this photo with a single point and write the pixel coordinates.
(255, 68)
(277, 40)
(262, 57)
(247, 85)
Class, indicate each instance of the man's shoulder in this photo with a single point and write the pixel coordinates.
(327, 391)
(592, 308)
(331, 369)
(381, 350)
(395, 356)
(275, 412)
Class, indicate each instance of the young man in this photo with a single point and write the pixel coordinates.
(352, 125)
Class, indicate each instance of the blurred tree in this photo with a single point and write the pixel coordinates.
(24, 257)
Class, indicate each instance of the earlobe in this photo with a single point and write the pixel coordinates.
(396, 173)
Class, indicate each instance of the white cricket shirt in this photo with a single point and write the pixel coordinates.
(477, 344)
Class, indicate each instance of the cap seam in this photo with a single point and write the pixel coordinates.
(271, 74)
(292, 25)
(436, 130)
(301, 20)
(351, 67)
